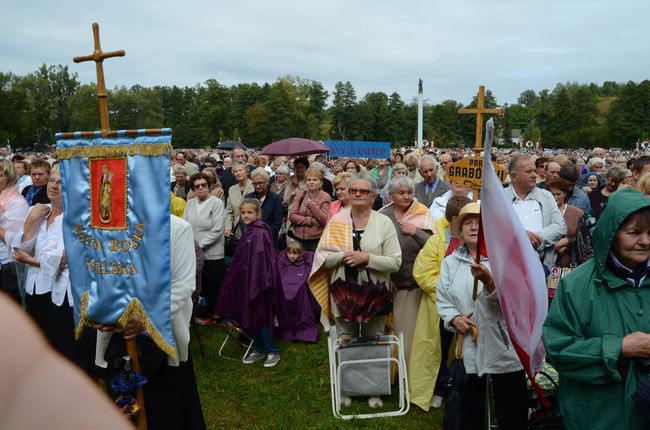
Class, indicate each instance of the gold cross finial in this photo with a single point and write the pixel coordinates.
(479, 111)
(98, 56)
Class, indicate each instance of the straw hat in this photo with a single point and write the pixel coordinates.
(473, 208)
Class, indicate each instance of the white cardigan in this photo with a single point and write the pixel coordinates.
(207, 223)
(493, 352)
(183, 277)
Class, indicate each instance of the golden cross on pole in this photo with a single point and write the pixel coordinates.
(98, 56)
(479, 111)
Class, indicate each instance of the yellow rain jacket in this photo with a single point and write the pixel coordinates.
(424, 361)
(177, 205)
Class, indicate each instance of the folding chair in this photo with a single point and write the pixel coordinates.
(238, 335)
(350, 359)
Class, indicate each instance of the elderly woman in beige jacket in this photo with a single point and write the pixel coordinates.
(236, 195)
(374, 252)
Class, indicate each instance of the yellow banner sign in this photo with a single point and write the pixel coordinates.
(469, 171)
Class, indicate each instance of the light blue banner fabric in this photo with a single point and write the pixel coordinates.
(358, 149)
(116, 230)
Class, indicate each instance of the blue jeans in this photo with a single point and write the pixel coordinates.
(263, 341)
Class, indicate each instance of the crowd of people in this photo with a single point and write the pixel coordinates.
(273, 238)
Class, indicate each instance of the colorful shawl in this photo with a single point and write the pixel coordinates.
(419, 215)
(337, 237)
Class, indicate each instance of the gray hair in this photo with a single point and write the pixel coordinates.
(617, 172)
(365, 176)
(260, 172)
(319, 166)
(596, 160)
(514, 162)
(282, 169)
(399, 166)
(399, 182)
(428, 157)
(236, 166)
(179, 169)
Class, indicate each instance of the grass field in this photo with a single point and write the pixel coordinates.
(293, 395)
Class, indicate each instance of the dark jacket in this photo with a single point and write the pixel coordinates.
(272, 211)
(591, 313)
(39, 197)
(187, 188)
(421, 193)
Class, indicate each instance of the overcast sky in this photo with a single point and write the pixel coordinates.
(507, 45)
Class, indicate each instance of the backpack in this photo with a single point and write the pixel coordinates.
(583, 247)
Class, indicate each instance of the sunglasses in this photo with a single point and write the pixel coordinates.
(201, 185)
(361, 191)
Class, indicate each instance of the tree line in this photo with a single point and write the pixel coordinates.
(36, 106)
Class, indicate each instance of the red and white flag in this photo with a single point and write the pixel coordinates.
(515, 266)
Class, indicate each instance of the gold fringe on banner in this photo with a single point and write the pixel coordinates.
(134, 307)
(146, 150)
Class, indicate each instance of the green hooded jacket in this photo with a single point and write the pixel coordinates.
(591, 313)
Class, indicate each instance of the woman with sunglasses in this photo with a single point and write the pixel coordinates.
(207, 215)
(356, 245)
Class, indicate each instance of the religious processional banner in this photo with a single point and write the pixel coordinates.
(116, 228)
(358, 149)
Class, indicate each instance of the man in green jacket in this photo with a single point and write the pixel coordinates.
(598, 326)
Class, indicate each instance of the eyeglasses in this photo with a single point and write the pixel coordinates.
(361, 191)
(201, 185)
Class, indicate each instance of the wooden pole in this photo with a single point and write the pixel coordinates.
(141, 417)
(479, 111)
(98, 56)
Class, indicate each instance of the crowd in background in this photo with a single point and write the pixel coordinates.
(411, 230)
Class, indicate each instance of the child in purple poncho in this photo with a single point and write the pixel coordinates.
(303, 310)
(251, 293)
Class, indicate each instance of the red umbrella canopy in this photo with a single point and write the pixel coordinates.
(295, 146)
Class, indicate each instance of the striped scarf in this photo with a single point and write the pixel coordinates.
(337, 237)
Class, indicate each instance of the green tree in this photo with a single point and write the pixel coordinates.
(527, 98)
(256, 120)
(16, 127)
(343, 111)
(629, 117)
(444, 119)
(49, 90)
(373, 114)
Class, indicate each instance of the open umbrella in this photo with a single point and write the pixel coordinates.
(229, 145)
(451, 420)
(295, 146)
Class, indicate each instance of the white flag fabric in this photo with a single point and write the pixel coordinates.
(515, 265)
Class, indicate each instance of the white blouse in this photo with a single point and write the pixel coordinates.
(12, 220)
(47, 247)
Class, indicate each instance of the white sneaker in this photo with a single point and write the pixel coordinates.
(253, 357)
(272, 360)
(375, 402)
(436, 402)
(346, 401)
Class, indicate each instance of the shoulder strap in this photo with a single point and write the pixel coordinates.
(302, 199)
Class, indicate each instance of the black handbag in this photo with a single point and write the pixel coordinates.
(230, 244)
(546, 418)
(151, 357)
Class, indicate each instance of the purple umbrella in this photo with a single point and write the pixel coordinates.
(295, 146)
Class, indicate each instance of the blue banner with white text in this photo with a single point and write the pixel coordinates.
(358, 149)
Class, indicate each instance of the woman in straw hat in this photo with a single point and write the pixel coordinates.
(492, 353)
